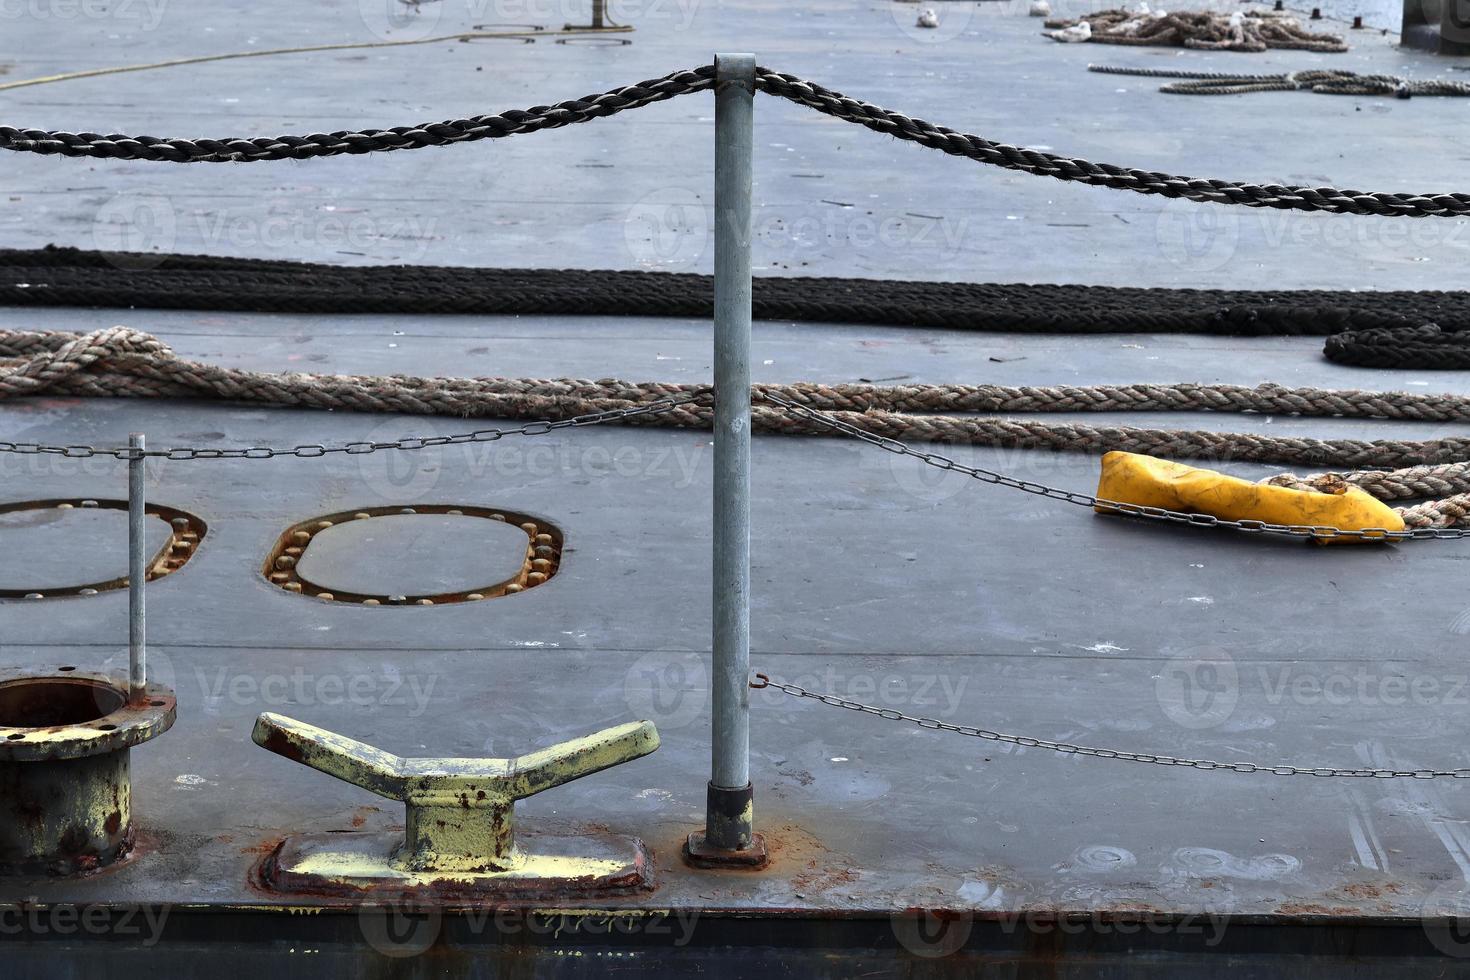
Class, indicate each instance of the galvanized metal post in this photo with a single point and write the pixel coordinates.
(137, 573)
(729, 835)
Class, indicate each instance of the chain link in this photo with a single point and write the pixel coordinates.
(1067, 748)
(313, 451)
(1317, 531)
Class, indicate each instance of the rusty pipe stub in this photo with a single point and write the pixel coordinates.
(65, 786)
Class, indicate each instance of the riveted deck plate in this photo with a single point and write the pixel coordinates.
(424, 555)
(70, 547)
(414, 554)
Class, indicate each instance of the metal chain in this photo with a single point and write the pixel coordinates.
(1067, 748)
(313, 450)
(940, 461)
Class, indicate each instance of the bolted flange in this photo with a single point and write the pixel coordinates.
(65, 786)
(459, 828)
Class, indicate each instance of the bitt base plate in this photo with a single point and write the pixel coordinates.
(358, 866)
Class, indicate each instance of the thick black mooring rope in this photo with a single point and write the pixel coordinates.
(1404, 329)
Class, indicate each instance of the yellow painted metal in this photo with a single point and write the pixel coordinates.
(460, 817)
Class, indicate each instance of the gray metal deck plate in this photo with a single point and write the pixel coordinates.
(413, 554)
(57, 549)
(871, 579)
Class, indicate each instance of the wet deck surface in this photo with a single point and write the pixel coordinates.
(872, 580)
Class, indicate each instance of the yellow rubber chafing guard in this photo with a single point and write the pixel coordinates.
(1132, 478)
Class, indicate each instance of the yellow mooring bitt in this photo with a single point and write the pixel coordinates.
(1131, 478)
(459, 834)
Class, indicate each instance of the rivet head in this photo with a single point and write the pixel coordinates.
(545, 551)
(529, 528)
(475, 596)
(326, 595)
(65, 506)
(292, 586)
(398, 598)
(87, 592)
(323, 525)
(300, 537)
(535, 578)
(513, 587)
(497, 517)
(541, 565)
(361, 515)
(89, 503)
(285, 561)
(543, 539)
(425, 602)
(34, 595)
(371, 602)
(279, 577)
(180, 522)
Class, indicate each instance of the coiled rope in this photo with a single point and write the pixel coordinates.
(790, 87)
(122, 362)
(1247, 30)
(1324, 81)
(1394, 329)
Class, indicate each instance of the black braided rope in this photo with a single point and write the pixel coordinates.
(244, 150)
(798, 90)
(1368, 329)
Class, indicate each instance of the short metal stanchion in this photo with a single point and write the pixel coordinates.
(729, 838)
(137, 572)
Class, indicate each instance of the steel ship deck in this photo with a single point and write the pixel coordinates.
(872, 580)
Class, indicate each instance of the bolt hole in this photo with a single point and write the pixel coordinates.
(157, 704)
(16, 737)
(68, 668)
(107, 728)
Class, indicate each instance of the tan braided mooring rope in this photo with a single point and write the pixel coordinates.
(119, 361)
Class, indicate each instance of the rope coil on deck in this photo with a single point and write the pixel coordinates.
(790, 87)
(122, 362)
